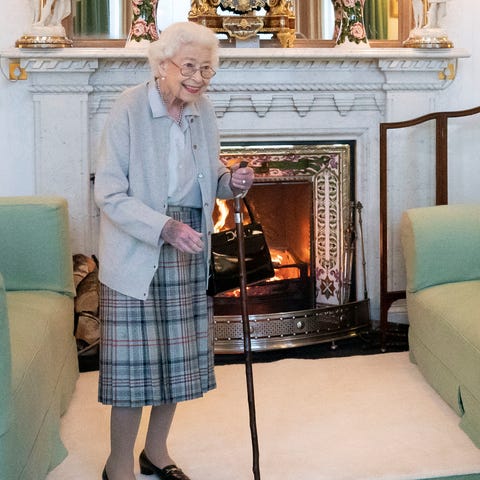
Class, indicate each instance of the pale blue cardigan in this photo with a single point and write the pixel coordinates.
(131, 185)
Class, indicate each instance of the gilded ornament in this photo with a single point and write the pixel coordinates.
(279, 18)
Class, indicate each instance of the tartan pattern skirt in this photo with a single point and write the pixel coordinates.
(160, 350)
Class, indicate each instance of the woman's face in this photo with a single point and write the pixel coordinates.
(185, 88)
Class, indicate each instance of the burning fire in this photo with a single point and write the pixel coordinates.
(281, 257)
(285, 264)
(223, 211)
(285, 267)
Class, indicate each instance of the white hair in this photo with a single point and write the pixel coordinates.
(173, 38)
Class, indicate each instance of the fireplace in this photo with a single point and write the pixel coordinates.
(303, 196)
(259, 95)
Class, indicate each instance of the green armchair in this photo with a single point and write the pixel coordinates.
(38, 355)
(441, 246)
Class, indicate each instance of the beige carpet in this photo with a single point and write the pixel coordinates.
(354, 418)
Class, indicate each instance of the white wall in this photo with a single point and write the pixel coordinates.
(461, 23)
(16, 126)
(464, 158)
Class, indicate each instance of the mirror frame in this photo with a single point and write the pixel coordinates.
(405, 24)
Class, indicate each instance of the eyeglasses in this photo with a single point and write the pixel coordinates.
(189, 70)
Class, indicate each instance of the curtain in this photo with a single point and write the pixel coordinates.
(376, 19)
(91, 18)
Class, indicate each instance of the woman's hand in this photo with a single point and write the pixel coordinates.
(182, 237)
(242, 177)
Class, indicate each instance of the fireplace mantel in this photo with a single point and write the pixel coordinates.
(294, 54)
(399, 69)
(263, 79)
(260, 95)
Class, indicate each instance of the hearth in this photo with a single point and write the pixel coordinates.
(303, 197)
(285, 210)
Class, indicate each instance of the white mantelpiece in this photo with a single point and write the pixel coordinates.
(259, 95)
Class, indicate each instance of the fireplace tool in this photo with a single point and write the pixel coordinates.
(364, 264)
(349, 255)
(246, 330)
(351, 237)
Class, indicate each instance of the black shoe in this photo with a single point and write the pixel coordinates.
(170, 472)
(104, 474)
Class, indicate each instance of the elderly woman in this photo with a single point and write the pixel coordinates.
(158, 176)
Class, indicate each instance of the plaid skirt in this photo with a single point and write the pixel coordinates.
(160, 350)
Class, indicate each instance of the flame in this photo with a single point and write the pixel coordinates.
(223, 211)
(285, 258)
(280, 258)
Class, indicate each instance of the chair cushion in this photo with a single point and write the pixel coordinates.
(446, 318)
(44, 372)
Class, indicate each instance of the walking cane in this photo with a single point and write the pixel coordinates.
(246, 332)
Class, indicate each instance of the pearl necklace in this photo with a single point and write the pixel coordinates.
(177, 120)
